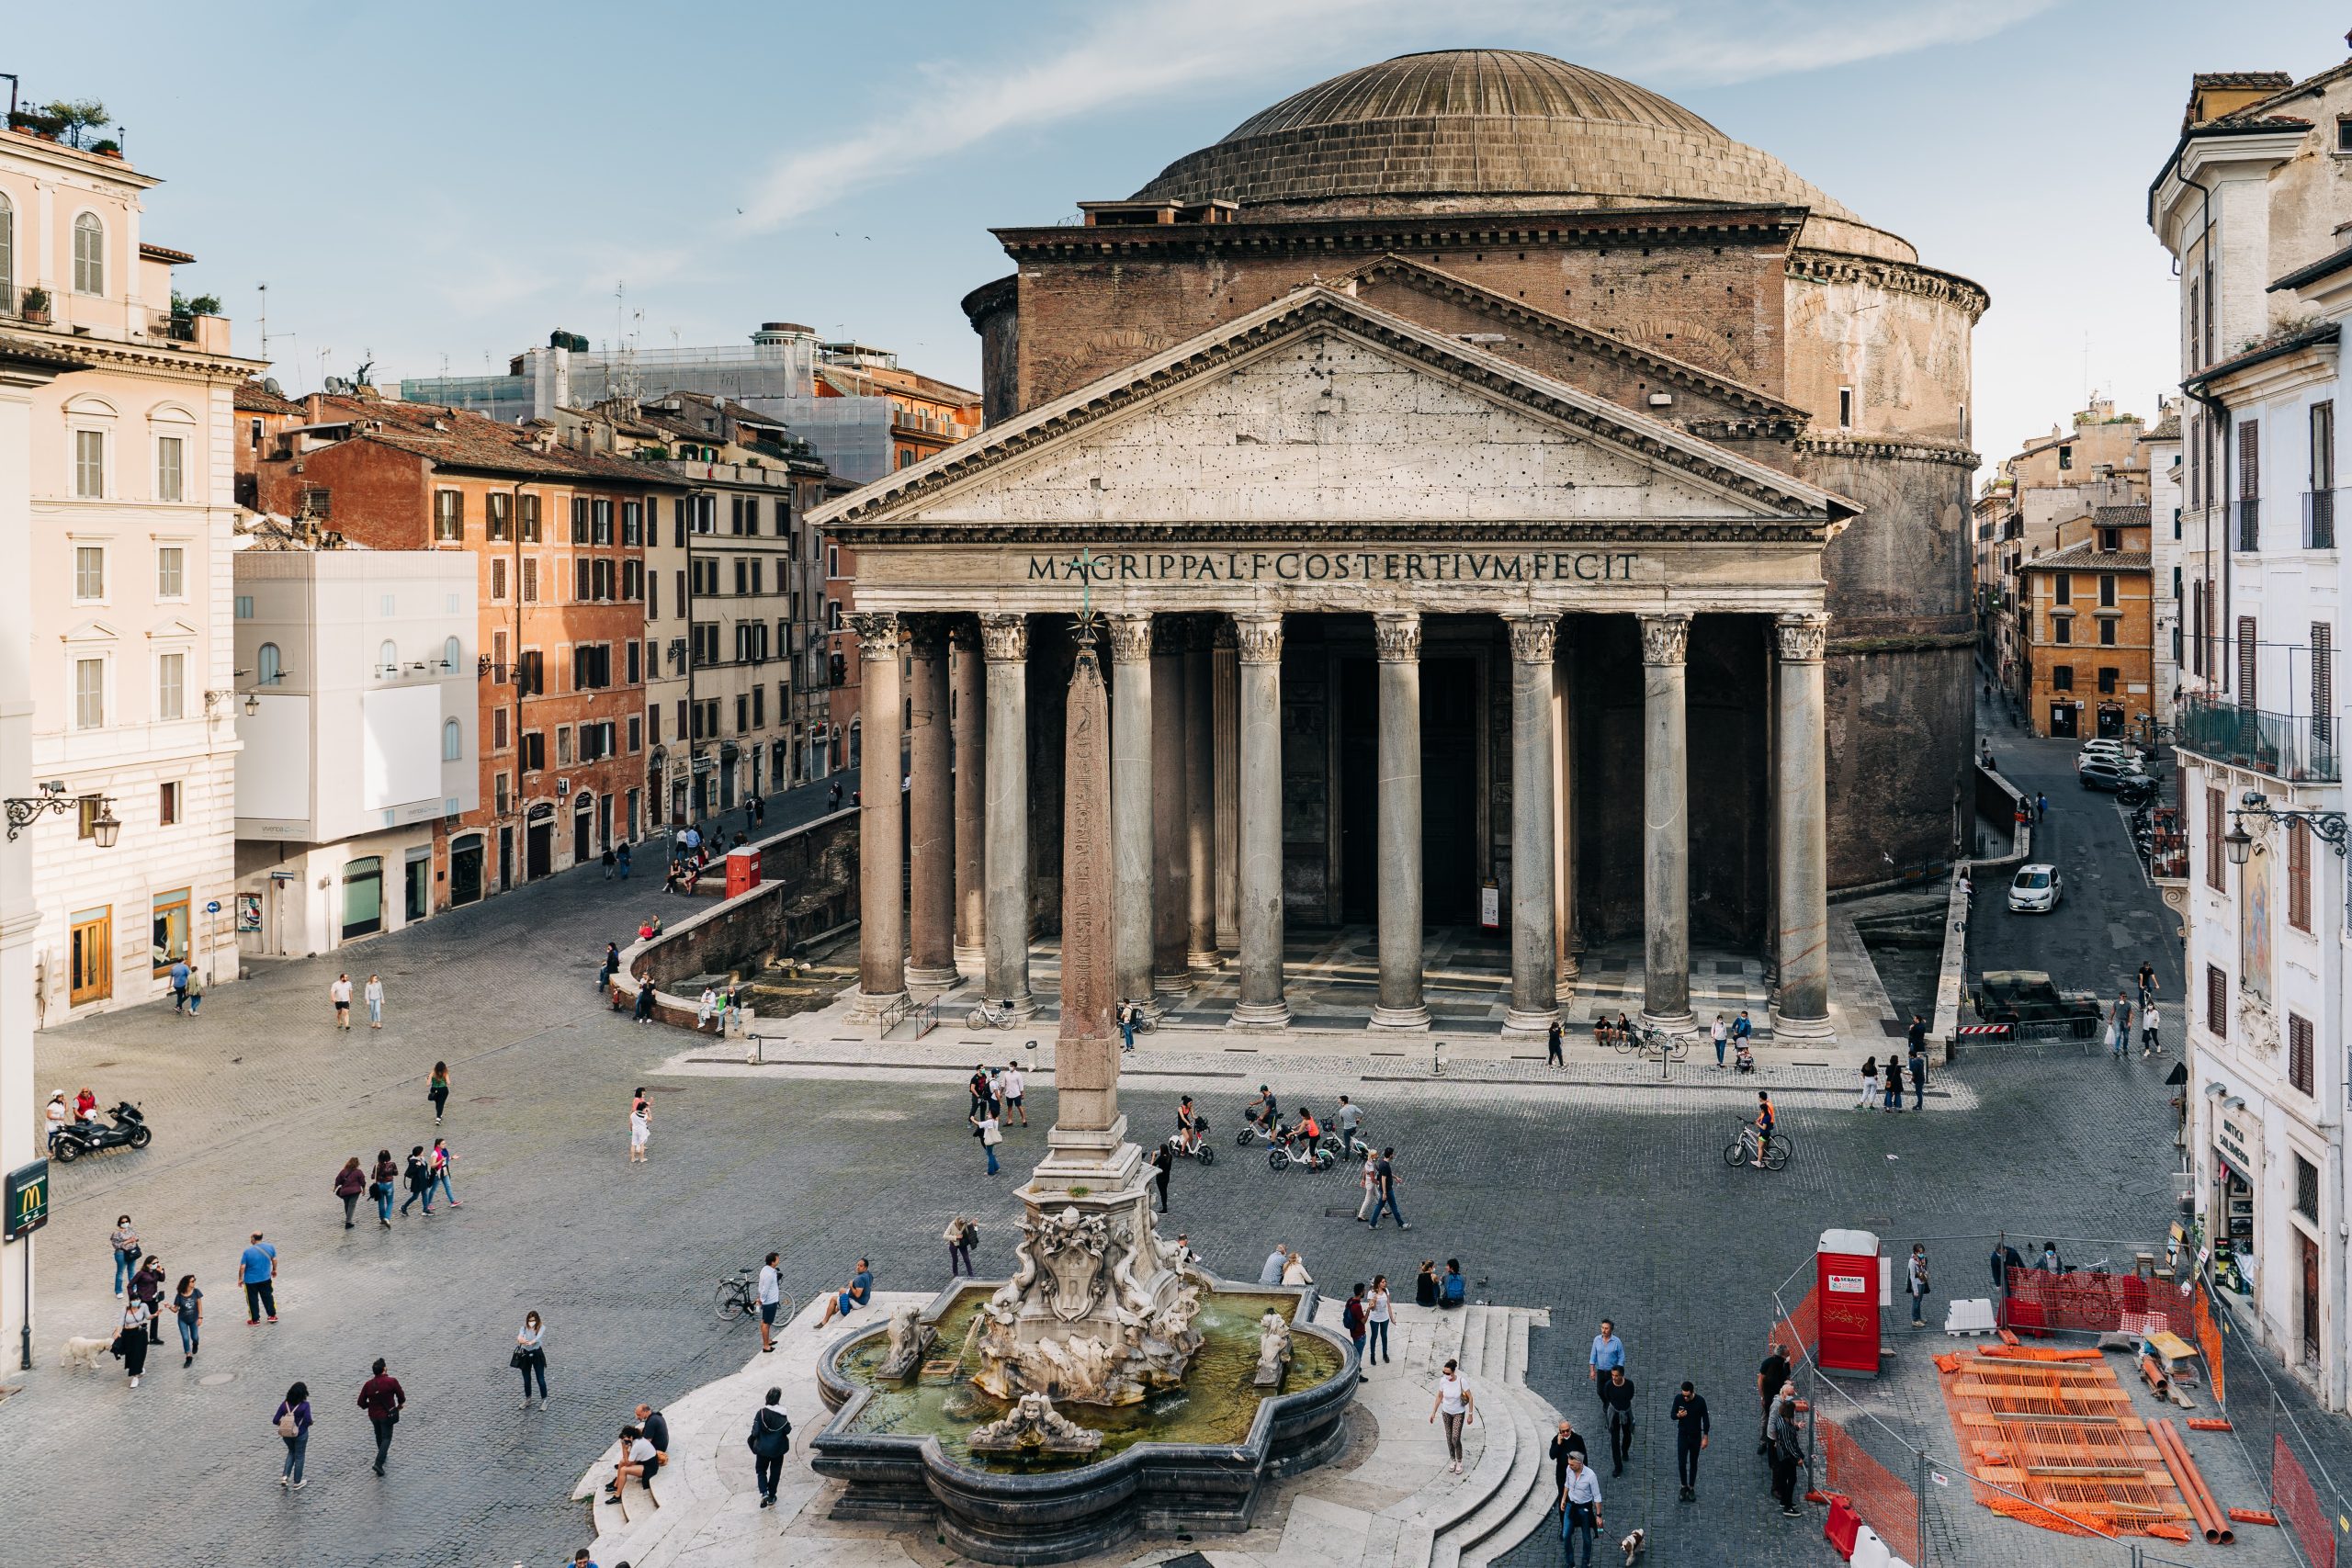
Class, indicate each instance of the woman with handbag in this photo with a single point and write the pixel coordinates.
(131, 1338)
(530, 1358)
(349, 1183)
(986, 1129)
(293, 1424)
(387, 1175)
(959, 1236)
(436, 1089)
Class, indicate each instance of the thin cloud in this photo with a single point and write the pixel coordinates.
(1155, 52)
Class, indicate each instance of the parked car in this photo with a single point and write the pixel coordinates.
(2098, 772)
(2021, 996)
(2105, 746)
(2035, 888)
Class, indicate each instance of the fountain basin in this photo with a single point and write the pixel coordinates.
(1191, 1458)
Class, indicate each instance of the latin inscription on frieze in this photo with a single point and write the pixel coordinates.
(1518, 567)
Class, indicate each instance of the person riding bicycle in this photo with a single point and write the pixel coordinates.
(1765, 1122)
(1188, 1126)
(1265, 1112)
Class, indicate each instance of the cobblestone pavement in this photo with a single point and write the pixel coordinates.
(1593, 1199)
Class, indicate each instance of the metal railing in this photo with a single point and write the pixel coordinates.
(2286, 746)
(2319, 520)
(2249, 522)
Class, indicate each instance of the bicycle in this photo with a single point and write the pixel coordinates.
(738, 1297)
(1649, 1041)
(1743, 1149)
(992, 1015)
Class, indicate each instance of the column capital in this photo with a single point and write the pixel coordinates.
(1222, 635)
(963, 633)
(1665, 638)
(1799, 639)
(926, 636)
(1397, 633)
(1005, 638)
(1129, 634)
(1171, 634)
(1259, 638)
(1532, 638)
(878, 632)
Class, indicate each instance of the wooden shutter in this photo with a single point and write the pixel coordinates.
(2247, 645)
(2298, 1052)
(2322, 682)
(2249, 457)
(2299, 876)
(2216, 824)
(2217, 1002)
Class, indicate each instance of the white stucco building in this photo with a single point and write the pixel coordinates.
(2251, 204)
(2160, 457)
(358, 720)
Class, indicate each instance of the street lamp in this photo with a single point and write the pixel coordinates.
(2237, 841)
(2328, 826)
(24, 810)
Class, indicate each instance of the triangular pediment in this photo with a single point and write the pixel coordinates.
(1320, 410)
(90, 631)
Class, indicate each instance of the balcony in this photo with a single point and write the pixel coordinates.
(2249, 522)
(2319, 520)
(2294, 747)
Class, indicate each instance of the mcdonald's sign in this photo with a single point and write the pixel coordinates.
(27, 1200)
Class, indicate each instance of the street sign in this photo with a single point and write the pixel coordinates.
(26, 1199)
(213, 907)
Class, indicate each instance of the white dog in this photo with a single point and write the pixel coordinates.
(83, 1352)
(1632, 1545)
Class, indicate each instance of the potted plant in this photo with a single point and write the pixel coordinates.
(36, 309)
(107, 148)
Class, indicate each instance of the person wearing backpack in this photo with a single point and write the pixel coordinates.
(1451, 1289)
(293, 1424)
(770, 1440)
(419, 1181)
(1353, 1317)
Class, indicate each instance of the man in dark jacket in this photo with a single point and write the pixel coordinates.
(770, 1440)
(1788, 1452)
(383, 1398)
(1617, 1399)
(1690, 1437)
(1565, 1441)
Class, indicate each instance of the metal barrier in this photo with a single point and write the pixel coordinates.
(2278, 1424)
(1881, 1498)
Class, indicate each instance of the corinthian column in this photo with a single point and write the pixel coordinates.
(1005, 639)
(1665, 827)
(1130, 637)
(1225, 722)
(1801, 1010)
(1200, 830)
(930, 813)
(882, 931)
(1170, 862)
(967, 683)
(1260, 640)
(1534, 950)
(1398, 636)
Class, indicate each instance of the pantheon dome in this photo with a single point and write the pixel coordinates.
(1493, 129)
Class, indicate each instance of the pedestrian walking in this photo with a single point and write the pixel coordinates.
(1894, 1092)
(419, 1181)
(373, 995)
(187, 1310)
(960, 1235)
(1163, 1162)
(385, 1178)
(179, 985)
(1458, 1406)
(293, 1423)
(1787, 1453)
(1690, 1413)
(1608, 1352)
(1916, 1282)
(1579, 1510)
(147, 1290)
(530, 1357)
(1617, 1399)
(770, 1440)
(339, 993)
(2150, 1041)
(1384, 1174)
(1917, 1063)
(981, 1087)
(258, 1270)
(1376, 1318)
(1567, 1440)
(349, 1183)
(438, 1164)
(1870, 1084)
(986, 1128)
(833, 797)
(127, 1250)
(611, 861)
(1010, 1086)
(624, 863)
(130, 1338)
(1720, 1033)
(1552, 1055)
(771, 1295)
(2119, 1026)
(1352, 1318)
(1368, 1179)
(1742, 1029)
(436, 1089)
(383, 1398)
(1770, 1377)
(2041, 806)
(1128, 1012)
(2147, 978)
(640, 1126)
(195, 992)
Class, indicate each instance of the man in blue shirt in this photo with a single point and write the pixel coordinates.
(1579, 1510)
(1608, 1352)
(258, 1270)
(861, 1289)
(179, 986)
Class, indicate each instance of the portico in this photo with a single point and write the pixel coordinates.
(1501, 654)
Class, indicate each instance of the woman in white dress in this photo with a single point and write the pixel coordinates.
(640, 1126)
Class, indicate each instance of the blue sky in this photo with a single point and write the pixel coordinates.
(430, 183)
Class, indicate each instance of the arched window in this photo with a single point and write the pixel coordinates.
(388, 658)
(453, 742)
(268, 670)
(89, 255)
(8, 257)
(449, 652)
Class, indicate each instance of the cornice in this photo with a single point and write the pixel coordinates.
(94, 353)
(1903, 278)
(1067, 537)
(1372, 233)
(1950, 453)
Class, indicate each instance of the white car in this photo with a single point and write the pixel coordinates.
(2035, 889)
(2116, 751)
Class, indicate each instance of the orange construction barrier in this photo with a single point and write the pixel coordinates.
(2037, 1353)
(2208, 1424)
(2254, 1517)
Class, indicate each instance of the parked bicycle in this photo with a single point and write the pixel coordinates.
(739, 1297)
(992, 1015)
(1743, 1149)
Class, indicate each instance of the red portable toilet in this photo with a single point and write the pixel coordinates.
(1849, 1282)
(742, 870)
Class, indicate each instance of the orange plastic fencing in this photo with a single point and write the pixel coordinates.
(2094, 1301)
(1885, 1500)
(2209, 1344)
(2298, 1505)
(1800, 1330)
(2056, 1444)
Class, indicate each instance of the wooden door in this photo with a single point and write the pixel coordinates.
(92, 956)
(2310, 1299)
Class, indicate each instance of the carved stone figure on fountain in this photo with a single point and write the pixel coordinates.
(1274, 1350)
(1033, 1425)
(910, 1337)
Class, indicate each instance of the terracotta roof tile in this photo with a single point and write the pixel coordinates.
(252, 397)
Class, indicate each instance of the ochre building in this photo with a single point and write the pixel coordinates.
(1506, 498)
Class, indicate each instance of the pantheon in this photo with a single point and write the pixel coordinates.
(1508, 503)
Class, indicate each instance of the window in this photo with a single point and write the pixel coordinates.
(245, 606)
(167, 805)
(8, 256)
(452, 653)
(2062, 677)
(2062, 588)
(90, 574)
(448, 514)
(2323, 680)
(631, 661)
(1845, 410)
(2107, 675)
(742, 713)
(2299, 875)
(2248, 647)
(89, 693)
(171, 685)
(2217, 1002)
(2306, 1173)
(388, 658)
(171, 577)
(2107, 591)
(170, 461)
(168, 923)
(90, 464)
(253, 434)
(530, 673)
(453, 741)
(652, 595)
(636, 732)
(833, 560)
(2107, 634)
(579, 573)
(2217, 824)
(2249, 484)
(742, 574)
(530, 519)
(499, 797)
(498, 730)
(89, 808)
(578, 519)
(530, 580)
(498, 578)
(631, 527)
(2062, 629)
(563, 745)
(268, 666)
(2319, 522)
(2344, 134)
(2195, 295)
(89, 255)
(632, 580)
(759, 707)
(2065, 456)
(535, 751)
(2111, 539)
(653, 724)
(600, 522)
(497, 510)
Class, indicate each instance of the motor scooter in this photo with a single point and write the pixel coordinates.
(74, 1139)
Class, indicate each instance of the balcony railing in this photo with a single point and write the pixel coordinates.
(2296, 747)
(2319, 520)
(2249, 522)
